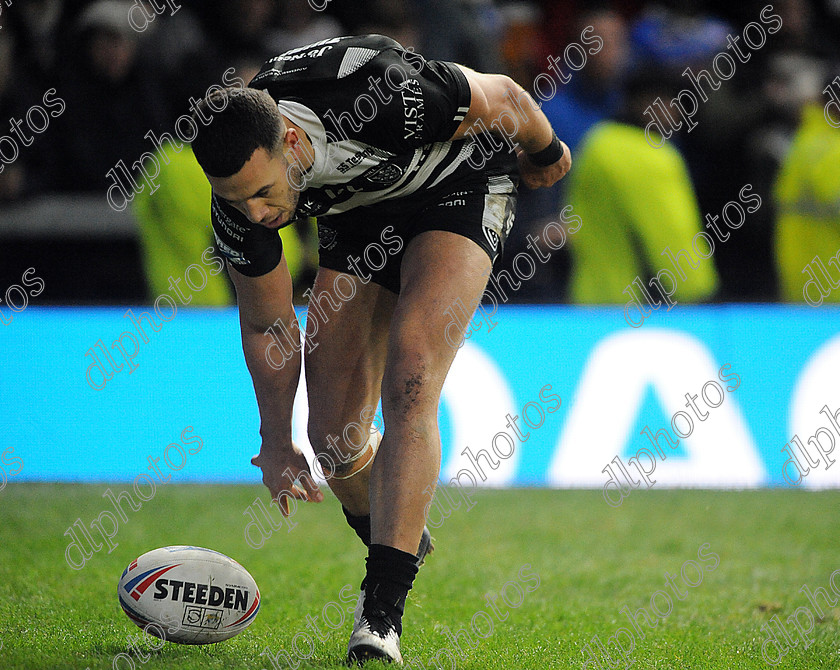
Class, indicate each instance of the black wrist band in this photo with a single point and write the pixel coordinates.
(551, 154)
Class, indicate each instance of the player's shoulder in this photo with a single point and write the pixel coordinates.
(328, 60)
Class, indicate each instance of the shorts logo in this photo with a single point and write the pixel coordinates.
(456, 202)
(326, 237)
(492, 237)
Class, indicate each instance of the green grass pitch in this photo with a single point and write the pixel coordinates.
(592, 560)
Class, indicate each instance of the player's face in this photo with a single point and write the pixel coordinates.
(261, 190)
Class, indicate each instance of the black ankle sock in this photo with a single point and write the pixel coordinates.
(360, 524)
(390, 576)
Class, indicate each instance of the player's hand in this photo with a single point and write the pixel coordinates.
(534, 176)
(281, 468)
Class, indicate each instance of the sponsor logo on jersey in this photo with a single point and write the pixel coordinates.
(355, 159)
(307, 206)
(232, 255)
(278, 63)
(276, 73)
(413, 108)
(314, 53)
(287, 55)
(224, 219)
(326, 237)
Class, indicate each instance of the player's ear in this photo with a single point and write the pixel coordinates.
(294, 150)
(287, 147)
(290, 137)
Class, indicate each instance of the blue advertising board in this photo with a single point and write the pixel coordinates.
(711, 396)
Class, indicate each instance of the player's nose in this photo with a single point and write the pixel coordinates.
(256, 211)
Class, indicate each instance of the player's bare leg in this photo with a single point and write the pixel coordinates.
(345, 361)
(344, 377)
(438, 268)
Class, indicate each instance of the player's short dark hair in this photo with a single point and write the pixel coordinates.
(247, 119)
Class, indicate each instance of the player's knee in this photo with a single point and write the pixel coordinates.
(325, 435)
(410, 383)
(338, 444)
(409, 390)
(317, 430)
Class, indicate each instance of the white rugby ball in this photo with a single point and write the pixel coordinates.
(188, 595)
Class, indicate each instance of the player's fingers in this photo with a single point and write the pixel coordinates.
(281, 498)
(306, 483)
(295, 491)
(282, 505)
(312, 490)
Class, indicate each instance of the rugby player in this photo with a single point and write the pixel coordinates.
(414, 198)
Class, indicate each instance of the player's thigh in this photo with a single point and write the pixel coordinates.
(345, 355)
(441, 271)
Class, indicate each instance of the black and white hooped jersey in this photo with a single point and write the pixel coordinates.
(379, 118)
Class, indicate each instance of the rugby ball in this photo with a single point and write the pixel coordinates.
(188, 595)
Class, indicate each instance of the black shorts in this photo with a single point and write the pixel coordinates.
(372, 240)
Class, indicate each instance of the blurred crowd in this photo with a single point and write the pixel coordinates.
(124, 68)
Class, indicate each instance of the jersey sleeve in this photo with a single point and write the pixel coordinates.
(252, 249)
(418, 101)
(431, 105)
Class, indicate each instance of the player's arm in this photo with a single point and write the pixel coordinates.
(503, 106)
(263, 300)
